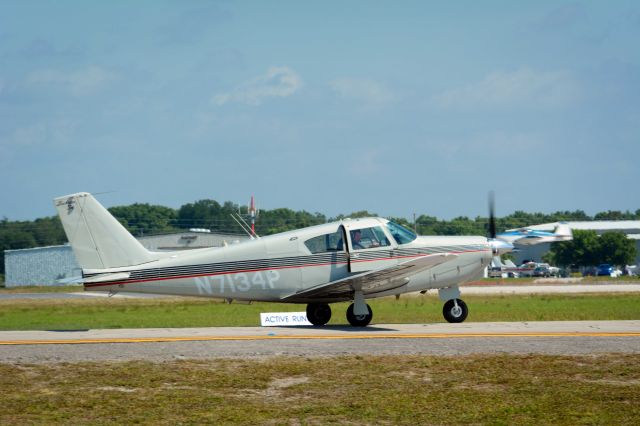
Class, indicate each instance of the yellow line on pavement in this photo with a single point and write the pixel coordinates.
(310, 337)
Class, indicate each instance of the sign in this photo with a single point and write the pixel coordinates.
(275, 319)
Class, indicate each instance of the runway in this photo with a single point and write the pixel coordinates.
(555, 337)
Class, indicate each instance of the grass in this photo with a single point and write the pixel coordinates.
(42, 289)
(24, 314)
(478, 389)
(497, 281)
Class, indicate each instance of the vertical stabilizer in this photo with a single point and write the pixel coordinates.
(563, 231)
(98, 240)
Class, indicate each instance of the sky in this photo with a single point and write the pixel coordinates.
(395, 107)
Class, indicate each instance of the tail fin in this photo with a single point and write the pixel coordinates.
(563, 231)
(98, 240)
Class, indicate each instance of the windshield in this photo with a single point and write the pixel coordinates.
(400, 234)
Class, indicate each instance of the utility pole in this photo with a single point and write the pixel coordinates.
(252, 212)
(415, 225)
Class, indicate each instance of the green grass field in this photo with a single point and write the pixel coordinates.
(65, 314)
(358, 389)
(489, 389)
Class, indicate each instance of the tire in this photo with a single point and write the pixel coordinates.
(359, 320)
(453, 314)
(318, 313)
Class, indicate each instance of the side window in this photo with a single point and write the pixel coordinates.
(325, 243)
(368, 238)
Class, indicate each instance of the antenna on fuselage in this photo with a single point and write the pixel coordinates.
(243, 224)
(253, 213)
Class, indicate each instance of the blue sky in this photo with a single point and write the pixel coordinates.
(331, 107)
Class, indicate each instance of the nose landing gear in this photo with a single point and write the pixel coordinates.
(455, 310)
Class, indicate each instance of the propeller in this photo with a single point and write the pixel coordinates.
(498, 246)
(492, 216)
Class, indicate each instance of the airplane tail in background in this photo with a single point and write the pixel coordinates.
(98, 240)
(563, 232)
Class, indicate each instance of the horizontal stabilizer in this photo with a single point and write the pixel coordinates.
(114, 276)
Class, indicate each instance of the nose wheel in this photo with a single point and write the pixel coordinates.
(318, 313)
(455, 310)
(359, 320)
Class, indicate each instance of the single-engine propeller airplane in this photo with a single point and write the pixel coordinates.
(348, 260)
(527, 236)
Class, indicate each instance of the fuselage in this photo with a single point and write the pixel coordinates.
(275, 267)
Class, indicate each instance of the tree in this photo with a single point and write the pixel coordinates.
(588, 249)
(48, 231)
(616, 249)
(281, 219)
(427, 225)
(615, 215)
(583, 250)
(13, 235)
(142, 219)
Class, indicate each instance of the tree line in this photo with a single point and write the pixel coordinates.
(589, 249)
(146, 219)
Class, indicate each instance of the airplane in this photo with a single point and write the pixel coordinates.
(528, 236)
(347, 260)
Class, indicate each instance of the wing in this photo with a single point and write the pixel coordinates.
(371, 282)
(529, 240)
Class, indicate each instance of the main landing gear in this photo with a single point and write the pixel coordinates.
(320, 314)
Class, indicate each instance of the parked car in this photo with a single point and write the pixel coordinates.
(541, 271)
(606, 270)
(554, 271)
(526, 269)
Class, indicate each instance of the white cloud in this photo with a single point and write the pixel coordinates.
(524, 87)
(54, 132)
(80, 83)
(362, 90)
(278, 82)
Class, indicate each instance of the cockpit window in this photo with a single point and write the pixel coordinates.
(400, 234)
(365, 238)
(326, 242)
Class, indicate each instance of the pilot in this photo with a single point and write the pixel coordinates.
(355, 239)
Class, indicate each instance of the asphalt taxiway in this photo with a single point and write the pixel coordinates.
(553, 337)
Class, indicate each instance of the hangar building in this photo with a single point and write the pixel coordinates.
(57, 265)
(535, 252)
